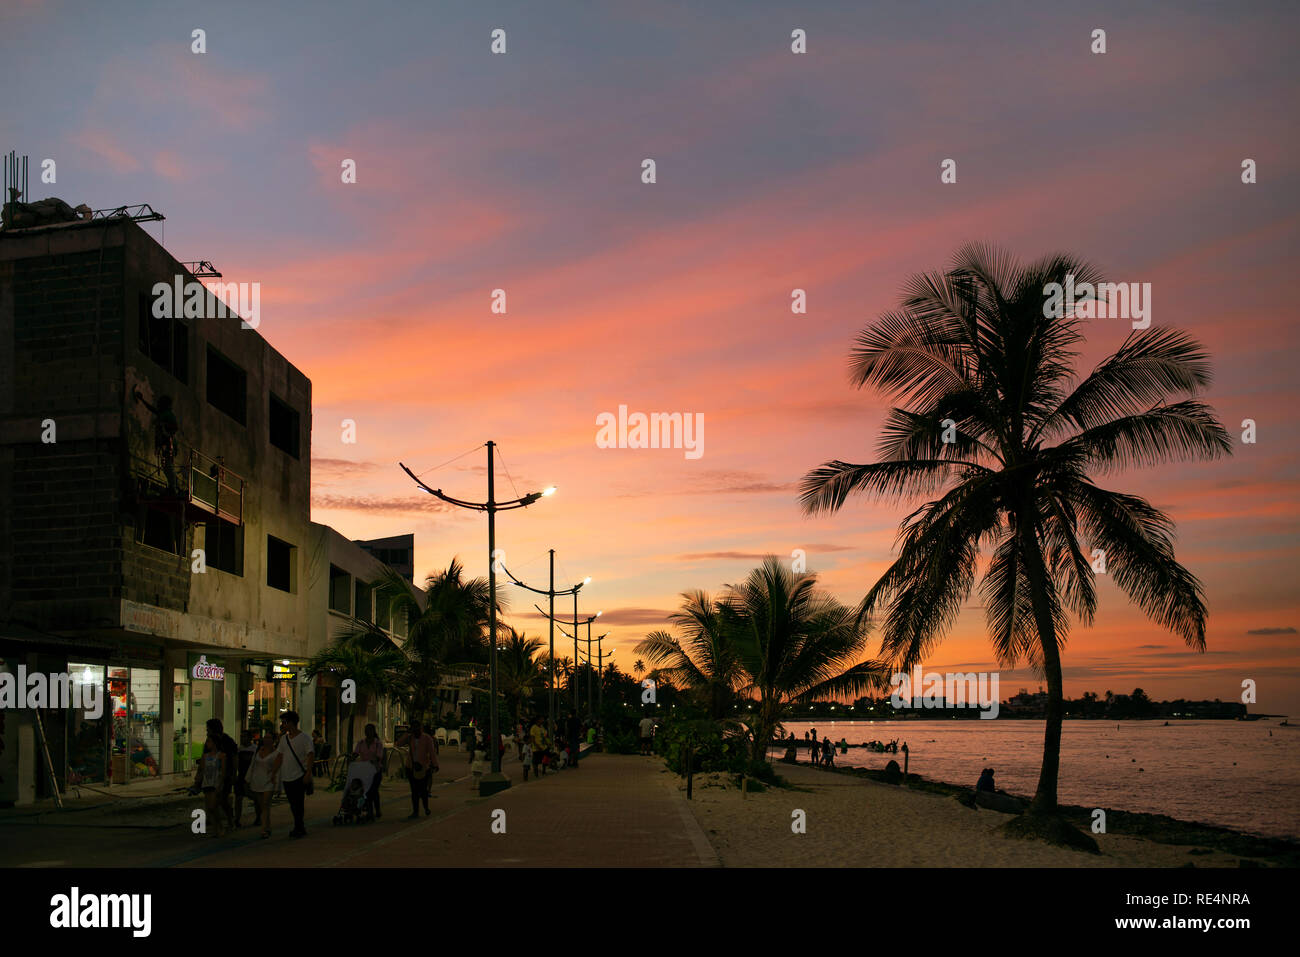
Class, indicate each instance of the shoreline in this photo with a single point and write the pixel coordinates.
(847, 819)
(1142, 825)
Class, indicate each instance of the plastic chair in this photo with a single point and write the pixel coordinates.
(453, 737)
(440, 735)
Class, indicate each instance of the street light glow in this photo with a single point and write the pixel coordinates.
(550, 490)
(587, 580)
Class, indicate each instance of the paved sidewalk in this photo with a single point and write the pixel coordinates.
(614, 811)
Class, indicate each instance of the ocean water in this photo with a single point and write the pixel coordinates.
(1230, 773)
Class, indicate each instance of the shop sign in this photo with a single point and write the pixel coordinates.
(206, 672)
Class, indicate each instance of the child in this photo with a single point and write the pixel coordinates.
(525, 756)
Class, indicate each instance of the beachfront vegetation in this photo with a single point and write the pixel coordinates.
(446, 628)
(703, 656)
(775, 638)
(993, 426)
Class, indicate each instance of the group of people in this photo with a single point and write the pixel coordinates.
(538, 753)
(228, 774)
(254, 772)
(822, 753)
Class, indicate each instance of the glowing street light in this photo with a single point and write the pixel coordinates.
(496, 781)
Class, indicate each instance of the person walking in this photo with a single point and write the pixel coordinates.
(263, 780)
(245, 760)
(296, 758)
(371, 749)
(422, 762)
(647, 731)
(828, 752)
(539, 745)
(227, 746)
(210, 777)
(573, 734)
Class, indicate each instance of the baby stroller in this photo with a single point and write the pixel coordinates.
(361, 774)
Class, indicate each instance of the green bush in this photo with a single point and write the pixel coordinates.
(619, 742)
(711, 749)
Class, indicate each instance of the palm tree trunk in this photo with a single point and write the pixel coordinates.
(1044, 801)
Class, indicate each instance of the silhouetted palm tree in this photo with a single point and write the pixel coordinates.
(365, 655)
(792, 642)
(519, 674)
(446, 627)
(992, 418)
(704, 659)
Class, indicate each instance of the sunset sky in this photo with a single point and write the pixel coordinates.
(775, 171)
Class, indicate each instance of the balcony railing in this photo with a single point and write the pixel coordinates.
(203, 484)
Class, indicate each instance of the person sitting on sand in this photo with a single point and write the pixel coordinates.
(985, 782)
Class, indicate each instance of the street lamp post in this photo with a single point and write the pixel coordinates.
(550, 592)
(496, 781)
(600, 661)
(576, 625)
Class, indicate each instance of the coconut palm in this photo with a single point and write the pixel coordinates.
(519, 674)
(704, 658)
(792, 641)
(446, 627)
(364, 655)
(992, 419)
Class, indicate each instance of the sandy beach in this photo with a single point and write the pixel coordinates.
(852, 822)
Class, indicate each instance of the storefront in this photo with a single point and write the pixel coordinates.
(123, 741)
(204, 689)
(274, 691)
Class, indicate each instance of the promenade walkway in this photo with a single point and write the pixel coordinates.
(614, 811)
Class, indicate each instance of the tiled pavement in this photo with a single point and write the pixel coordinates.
(615, 810)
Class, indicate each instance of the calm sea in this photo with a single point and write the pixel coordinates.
(1231, 773)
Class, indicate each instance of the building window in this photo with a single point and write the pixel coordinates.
(227, 386)
(161, 529)
(284, 426)
(224, 546)
(340, 591)
(363, 610)
(280, 561)
(165, 341)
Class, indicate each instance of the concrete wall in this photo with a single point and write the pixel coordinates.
(61, 309)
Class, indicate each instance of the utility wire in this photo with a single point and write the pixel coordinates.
(448, 462)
